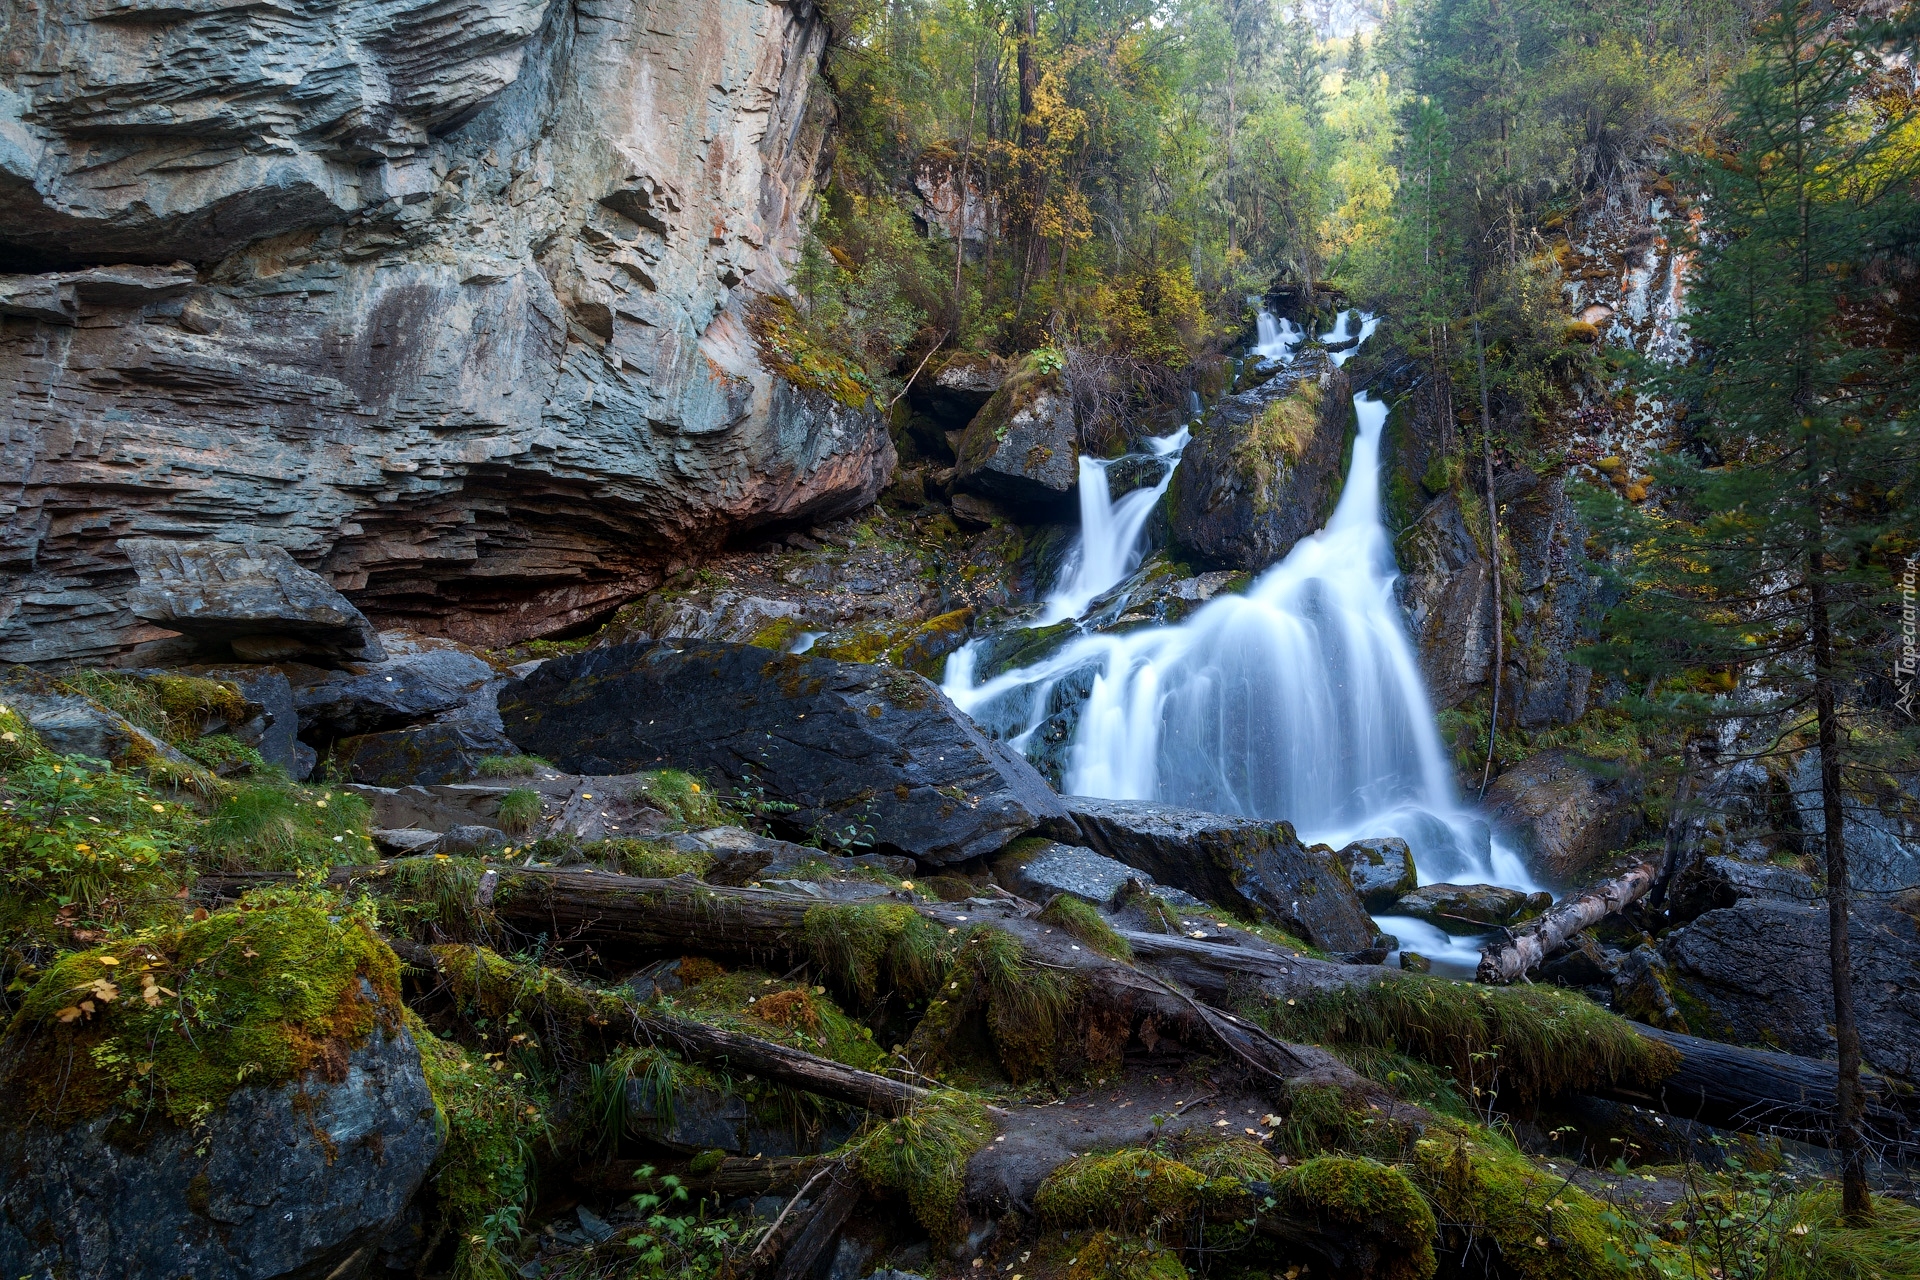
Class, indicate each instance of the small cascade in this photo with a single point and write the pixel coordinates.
(1343, 333)
(1275, 338)
(1110, 545)
(1300, 700)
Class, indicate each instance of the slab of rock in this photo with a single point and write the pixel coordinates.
(420, 677)
(958, 388)
(1568, 819)
(424, 755)
(274, 738)
(296, 1181)
(1714, 882)
(1242, 864)
(1038, 873)
(1464, 908)
(1756, 973)
(1381, 870)
(874, 749)
(741, 856)
(249, 598)
(1021, 448)
(1245, 510)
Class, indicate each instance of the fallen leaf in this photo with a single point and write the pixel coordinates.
(69, 1013)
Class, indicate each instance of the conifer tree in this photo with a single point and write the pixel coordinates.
(1761, 582)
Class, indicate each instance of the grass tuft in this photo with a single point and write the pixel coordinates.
(522, 766)
(519, 809)
(1086, 923)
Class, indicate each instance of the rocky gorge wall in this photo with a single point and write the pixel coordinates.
(446, 300)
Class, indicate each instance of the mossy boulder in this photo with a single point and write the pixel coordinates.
(1381, 870)
(236, 1097)
(1470, 908)
(1021, 448)
(1263, 467)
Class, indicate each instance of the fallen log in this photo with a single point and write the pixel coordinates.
(695, 1041)
(1729, 1086)
(1533, 942)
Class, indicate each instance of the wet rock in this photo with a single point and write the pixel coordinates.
(1756, 973)
(1643, 991)
(1262, 467)
(865, 753)
(428, 754)
(1021, 448)
(1038, 873)
(1414, 962)
(274, 736)
(1560, 600)
(250, 599)
(742, 856)
(1468, 908)
(75, 726)
(470, 838)
(421, 677)
(1242, 864)
(1581, 963)
(1568, 819)
(297, 1181)
(403, 841)
(958, 389)
(1381, 870)
(1446, 585)
(1714, 882)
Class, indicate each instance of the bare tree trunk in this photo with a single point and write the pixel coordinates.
(1855, 1203)
(960, 199)
(1493, 552)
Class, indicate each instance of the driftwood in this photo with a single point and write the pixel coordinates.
(1533, 942)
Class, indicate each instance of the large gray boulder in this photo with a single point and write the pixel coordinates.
(1021, 448)
(1262, 467)
(1242, 864)
(450, 300)
(71, 725)
(296, 1182)
(1381, 869)
(862, 754)
(1050, 868)
(248, 598)
(420, 677)
(1757, 973)
(1568, 818)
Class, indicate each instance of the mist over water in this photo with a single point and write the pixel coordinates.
(1300, 700)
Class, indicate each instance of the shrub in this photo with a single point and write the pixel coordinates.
(519, 809)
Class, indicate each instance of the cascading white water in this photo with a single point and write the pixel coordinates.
(1110, 545)
(1343, 333)
(1275, 338)
(1300, 700)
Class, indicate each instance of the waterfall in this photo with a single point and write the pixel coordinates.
(1275, 339)
(1342, 334)
(1300, 700)
(1110, 544)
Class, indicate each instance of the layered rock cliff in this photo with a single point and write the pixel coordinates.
(447, 300)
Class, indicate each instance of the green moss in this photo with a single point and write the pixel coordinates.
(1523, 1042)
(522, 766)
(485, 1169)
(1027, 1005)
(1375, 1198)
(519, 809)
(806, 357)
(756, 1004)
(923, 1156)
(1276, 439)
(1087, 924)
(1103, 1255)
(224, 754)
(176, 1019)
(650, 860)
(682, 797)
(1128, 1190)
(171, 707)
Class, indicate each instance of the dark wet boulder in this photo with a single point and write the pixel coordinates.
(1021, 448)
(1714, 882)
(862, 754)
(1643, 991)
(422, 755)
(1261, 470)
(955, 389)
(1568, 818)
(1245, 865)
(273, 735)
(1756, 973)
(1381, 870)
(1470, 908)
(298, 1173)
(422, 677)
(247, 599)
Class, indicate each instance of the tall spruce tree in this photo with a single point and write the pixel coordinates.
(1761, 582)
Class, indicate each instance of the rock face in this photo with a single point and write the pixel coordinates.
(1258, 866)
(249, 598)
(1756, 973)
(1568, 818)
(447, 301)
(865, 754)
(1021, 448)
(296, 1181)
(1262, 467)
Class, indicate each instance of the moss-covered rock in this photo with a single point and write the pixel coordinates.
(1021, 448)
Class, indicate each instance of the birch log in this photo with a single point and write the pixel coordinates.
(1529, 945)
